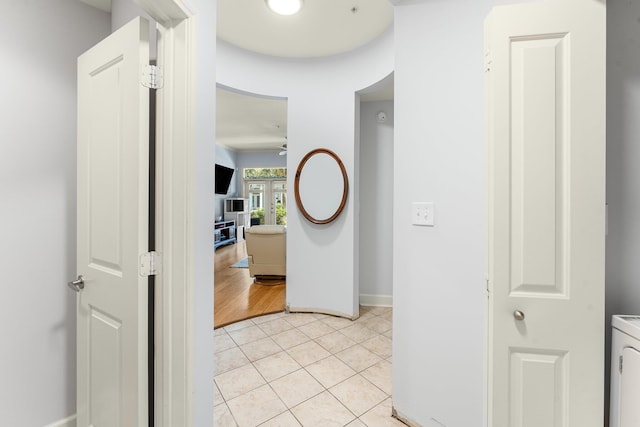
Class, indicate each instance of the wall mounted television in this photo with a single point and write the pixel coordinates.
(223, 179)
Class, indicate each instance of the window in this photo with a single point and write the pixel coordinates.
(266, 189)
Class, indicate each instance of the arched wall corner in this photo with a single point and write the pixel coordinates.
(278, 77)
(247, 93)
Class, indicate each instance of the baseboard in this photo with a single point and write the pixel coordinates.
(365, 299)
(376, 300)
(403, 419)
(67, 422)
(290, 309)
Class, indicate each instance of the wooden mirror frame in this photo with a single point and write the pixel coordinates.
(345, 182)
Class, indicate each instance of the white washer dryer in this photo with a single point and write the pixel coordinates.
(625, 372)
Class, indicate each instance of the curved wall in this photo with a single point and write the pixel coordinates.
(323, 109)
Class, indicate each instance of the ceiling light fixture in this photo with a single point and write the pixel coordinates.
(285, 7)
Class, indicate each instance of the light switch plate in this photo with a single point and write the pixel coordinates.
(422, 213)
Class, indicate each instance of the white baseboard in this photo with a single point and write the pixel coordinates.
(376, 300)
(404, 420)
(290, 309)
(67, 422)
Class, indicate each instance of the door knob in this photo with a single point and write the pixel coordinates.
(518, 315)
(78, 284)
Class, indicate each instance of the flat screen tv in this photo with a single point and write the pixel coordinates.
(223, 179)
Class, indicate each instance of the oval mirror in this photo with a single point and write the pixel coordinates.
(321, 186)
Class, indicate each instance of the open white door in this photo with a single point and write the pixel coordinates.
(113, 200)
(546, 165)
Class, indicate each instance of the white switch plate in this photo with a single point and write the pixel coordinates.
(422, 213)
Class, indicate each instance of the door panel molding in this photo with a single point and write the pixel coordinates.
(540, 88)
(546, 404)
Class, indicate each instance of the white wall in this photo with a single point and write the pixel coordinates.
(322, 271)
(623, 161)
(40, 41)
(438, 272)
(202, 251)
(375, 216)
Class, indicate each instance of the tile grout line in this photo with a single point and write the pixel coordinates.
(363, 321)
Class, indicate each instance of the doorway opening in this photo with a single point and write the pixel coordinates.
(251, 140)
(375, 188)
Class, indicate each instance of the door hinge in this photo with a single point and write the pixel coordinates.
(152, 77)
(620, 358)
(150, 264)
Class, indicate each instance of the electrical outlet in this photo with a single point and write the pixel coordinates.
(422, 213)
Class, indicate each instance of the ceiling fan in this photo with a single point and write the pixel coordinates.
(283, 150)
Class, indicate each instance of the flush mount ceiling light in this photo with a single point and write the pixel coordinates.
(284, 7)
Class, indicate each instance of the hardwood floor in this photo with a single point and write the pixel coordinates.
(236, 296)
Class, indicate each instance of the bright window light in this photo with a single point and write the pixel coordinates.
(285, 7)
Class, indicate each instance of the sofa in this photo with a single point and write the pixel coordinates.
(266, 250)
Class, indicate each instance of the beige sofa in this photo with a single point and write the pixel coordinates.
(266, 249)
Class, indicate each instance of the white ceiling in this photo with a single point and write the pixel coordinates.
(250, 123)
(321, 28)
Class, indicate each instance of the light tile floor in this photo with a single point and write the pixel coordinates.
(305, 369)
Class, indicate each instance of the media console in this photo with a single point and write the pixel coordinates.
(224, 233)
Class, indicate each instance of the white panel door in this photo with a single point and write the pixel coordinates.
(545, 78)
(113, 199)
